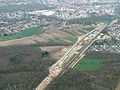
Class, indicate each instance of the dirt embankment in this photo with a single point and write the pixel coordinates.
(118, 86)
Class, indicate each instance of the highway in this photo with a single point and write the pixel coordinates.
(73, 55)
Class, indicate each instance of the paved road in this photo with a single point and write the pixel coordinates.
(71, 58)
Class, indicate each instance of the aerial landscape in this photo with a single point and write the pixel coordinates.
(59, 44)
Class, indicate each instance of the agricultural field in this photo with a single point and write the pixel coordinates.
(88, 64)
(22, 34)
(46, 36)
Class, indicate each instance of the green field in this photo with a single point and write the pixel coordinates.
(72, 38)
(27, 32)
(88, 64)
(103, 21)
